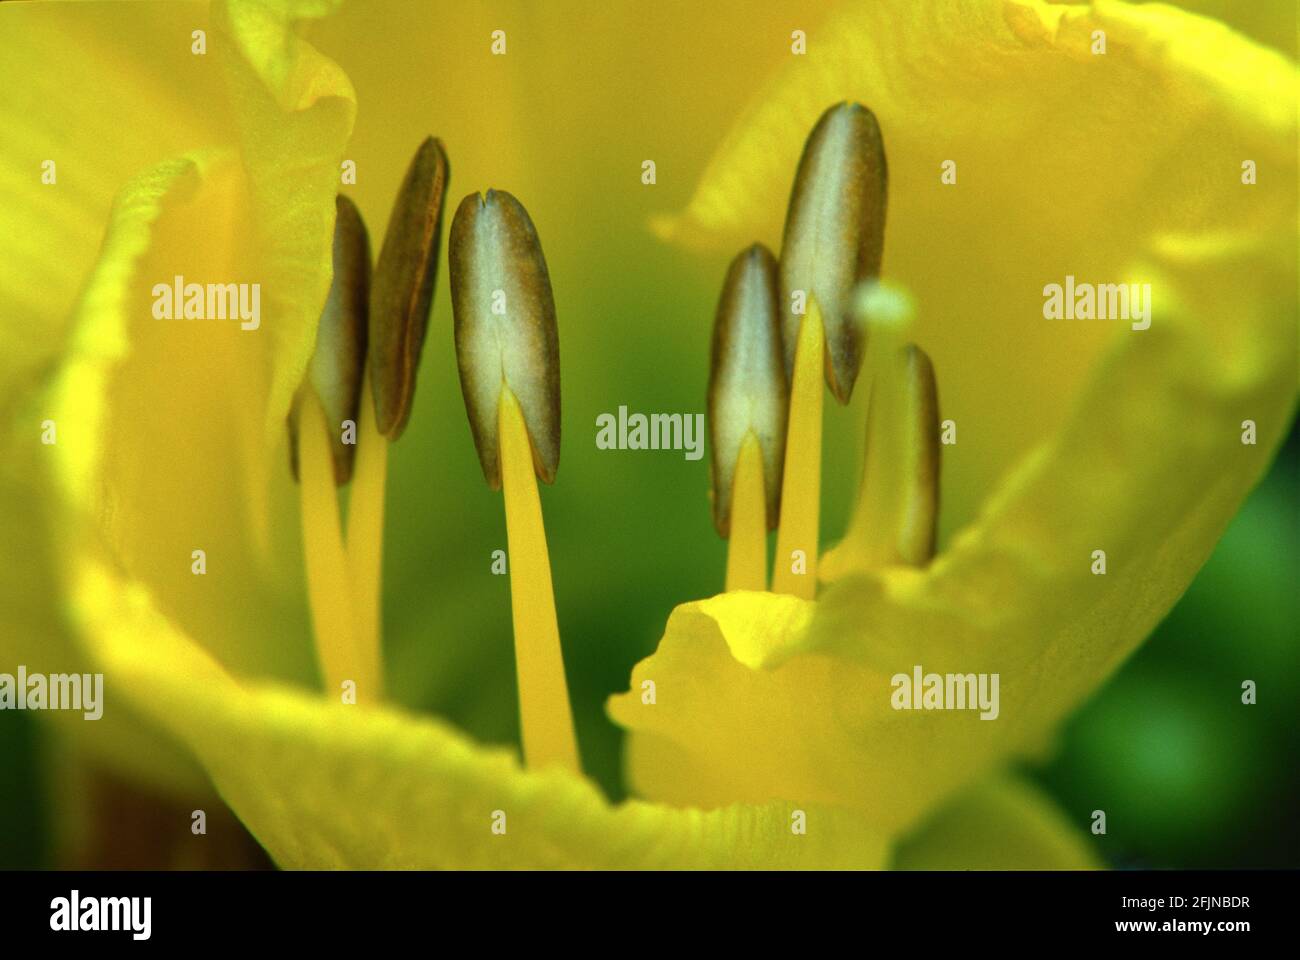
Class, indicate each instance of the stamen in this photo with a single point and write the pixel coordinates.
(894, 519)
(400, 299)
(795, 570)
(507, 349)
(403, 287)
(748, 406)
(330, 396)
(834, 235)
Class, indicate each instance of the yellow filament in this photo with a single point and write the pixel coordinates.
(328, 590)
(365, 545)
(545, 720)
(875, 528)
(795, 571)
(747, 542)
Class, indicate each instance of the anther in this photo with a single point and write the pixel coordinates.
(834, 237)
(337, 364)
(402, 292)
(505, 328)
(747, 388)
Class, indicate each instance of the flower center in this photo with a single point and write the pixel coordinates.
(780, 329)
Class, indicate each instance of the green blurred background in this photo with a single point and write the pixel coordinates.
(1188, 775)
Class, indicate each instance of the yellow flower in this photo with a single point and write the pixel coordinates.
(766, 704)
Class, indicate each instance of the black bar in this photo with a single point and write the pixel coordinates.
(329, 909)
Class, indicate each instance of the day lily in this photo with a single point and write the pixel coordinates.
(769, 710)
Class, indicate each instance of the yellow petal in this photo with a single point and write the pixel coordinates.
(1003, 824)
(128, 398)
(69, 287)
(191, 413)
(326, 786)
(88, 118)
(76, 127)
(741, 716)
(1066, 163)
(734, 718)
(59, 475)
(294, 108)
